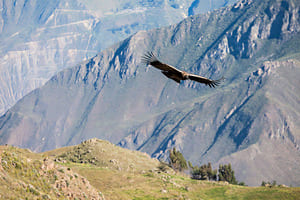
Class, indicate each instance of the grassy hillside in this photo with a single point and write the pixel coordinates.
(253, 114)
(97, 169)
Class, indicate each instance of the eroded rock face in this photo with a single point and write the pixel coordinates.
(39, 39)
(113, 96)
(276, 21)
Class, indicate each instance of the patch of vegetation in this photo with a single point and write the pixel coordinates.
(26, 175)
(177, 161)
(203, 172)
(28, 179)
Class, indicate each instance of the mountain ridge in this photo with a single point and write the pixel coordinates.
(114, 97)
(39, 39)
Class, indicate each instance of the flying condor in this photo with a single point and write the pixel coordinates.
(176, 74)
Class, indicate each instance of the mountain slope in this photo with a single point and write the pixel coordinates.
(254, 44)
(32, 176)
(38, 38)
(97, 169)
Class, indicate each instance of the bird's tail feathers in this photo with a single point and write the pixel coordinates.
(148, 57)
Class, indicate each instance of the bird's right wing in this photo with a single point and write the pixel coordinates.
(206, 81)
(150, 59)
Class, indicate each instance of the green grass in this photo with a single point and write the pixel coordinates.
(120, 185)
(23, 177)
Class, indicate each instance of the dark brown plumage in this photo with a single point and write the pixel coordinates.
(176, 74)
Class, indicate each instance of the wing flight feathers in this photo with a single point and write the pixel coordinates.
(176, 74)
(150, 59)
(206, 81)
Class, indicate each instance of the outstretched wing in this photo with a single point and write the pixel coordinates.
(176, 74)
(150, 59)
(206, 81)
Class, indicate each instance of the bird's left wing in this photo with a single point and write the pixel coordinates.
(150, 59)
(206, 81)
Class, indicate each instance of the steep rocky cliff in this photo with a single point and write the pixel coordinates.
(38, 38)
(251, 120)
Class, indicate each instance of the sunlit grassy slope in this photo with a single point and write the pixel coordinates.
(98, 169)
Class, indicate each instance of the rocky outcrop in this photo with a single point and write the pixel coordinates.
(32, 177)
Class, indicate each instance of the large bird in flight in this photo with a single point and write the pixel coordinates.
(176, 74)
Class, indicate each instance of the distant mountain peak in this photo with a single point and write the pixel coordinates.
(40, 39)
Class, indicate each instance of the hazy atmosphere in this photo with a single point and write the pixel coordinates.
(215, 82)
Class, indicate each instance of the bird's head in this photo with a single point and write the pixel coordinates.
(185, 75)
